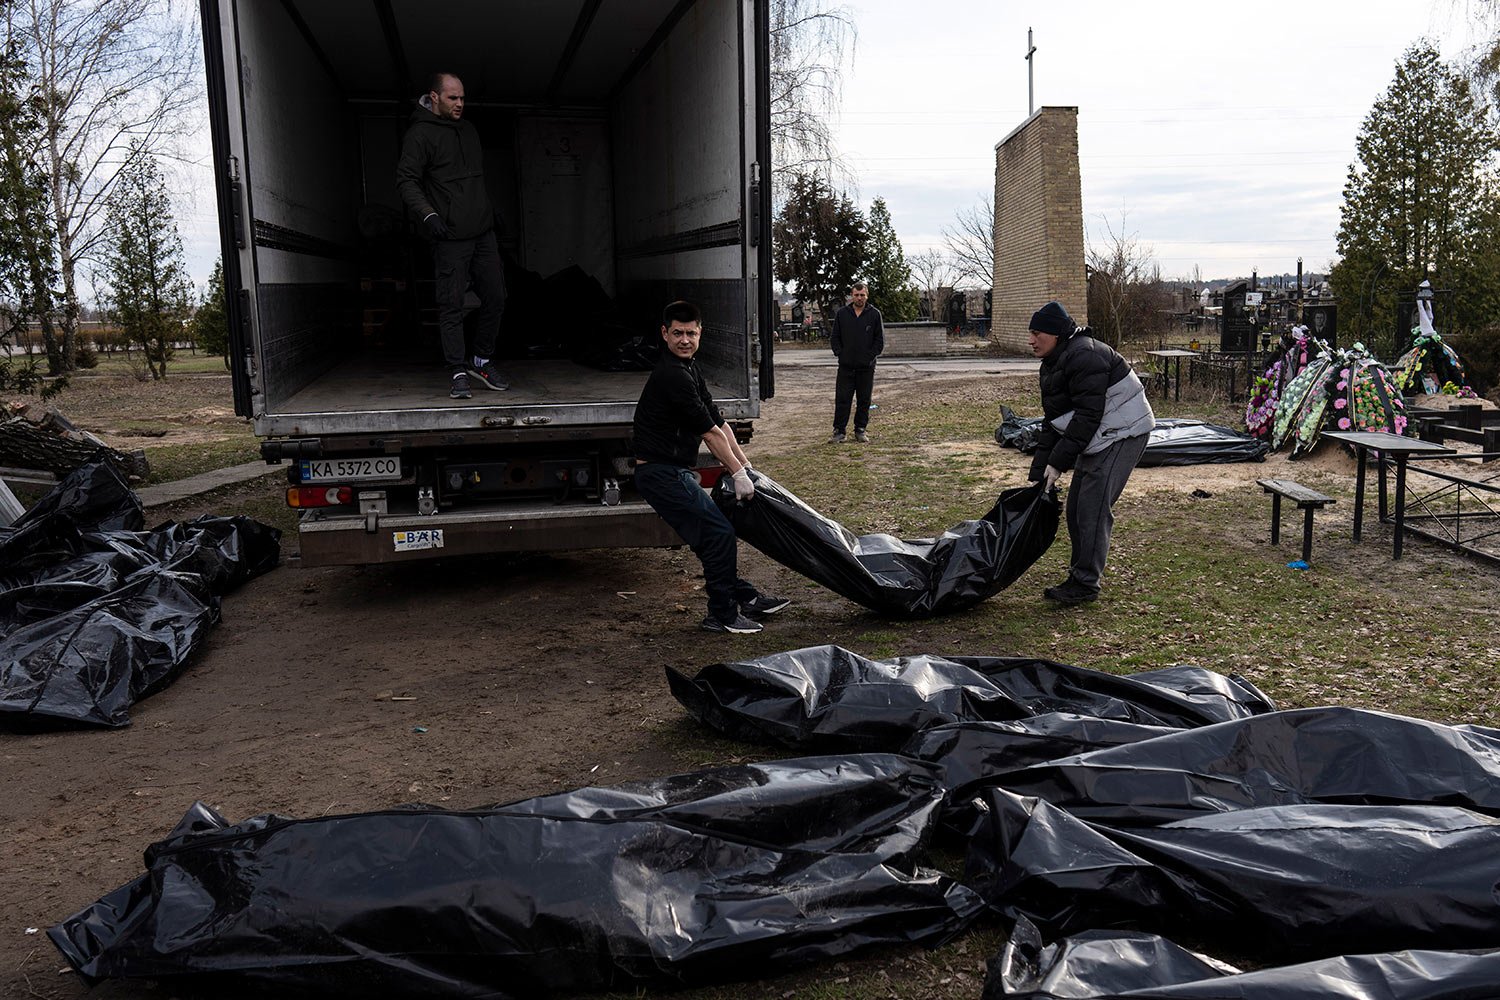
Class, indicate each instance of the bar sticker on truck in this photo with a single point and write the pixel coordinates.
(412, 541)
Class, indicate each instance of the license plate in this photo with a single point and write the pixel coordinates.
(335, 470)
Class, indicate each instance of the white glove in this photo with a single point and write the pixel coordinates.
(1050, 477)
(744, 489)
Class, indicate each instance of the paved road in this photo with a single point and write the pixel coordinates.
(998, 366)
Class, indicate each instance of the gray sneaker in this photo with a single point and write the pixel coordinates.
(861, 437)
(837, 438)
(740, 626)
(763, 604)
(489, 376)
(458, 387)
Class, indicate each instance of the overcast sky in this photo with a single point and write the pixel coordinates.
(1222, 132)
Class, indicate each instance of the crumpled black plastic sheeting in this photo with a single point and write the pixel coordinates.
(1297, 881)
(1104, 965)
(96, 614)
(976, 754)
(829, 699)
(1179, 441)
(1173, 441)
(1311, 755)
(717, 874)
(901, 579)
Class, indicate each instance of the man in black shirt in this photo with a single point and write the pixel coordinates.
(858, 338)
(676, 412)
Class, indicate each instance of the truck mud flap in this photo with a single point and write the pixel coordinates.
(349, 541)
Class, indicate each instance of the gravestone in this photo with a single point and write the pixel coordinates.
(1322, 322)
(1234, 330)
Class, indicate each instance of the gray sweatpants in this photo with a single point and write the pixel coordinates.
(1098, 481)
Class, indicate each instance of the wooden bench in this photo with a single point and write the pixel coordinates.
(1308, 500)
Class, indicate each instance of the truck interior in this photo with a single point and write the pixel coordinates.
(614, 135)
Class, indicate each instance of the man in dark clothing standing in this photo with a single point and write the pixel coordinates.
(675, 414)
(441, 178)
(857, 340)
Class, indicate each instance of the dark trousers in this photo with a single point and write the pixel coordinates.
(455, 263)
(1098, 481)
(675, 494)
(852, 382)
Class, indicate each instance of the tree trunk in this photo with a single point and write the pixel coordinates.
(44, 315)
(64, 256)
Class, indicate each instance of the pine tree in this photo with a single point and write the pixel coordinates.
(889, 277)
(27, 245)
(144, 262)
(210, 325)
(818, 242)
(1419, 202)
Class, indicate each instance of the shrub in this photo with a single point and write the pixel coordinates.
(1480, 352)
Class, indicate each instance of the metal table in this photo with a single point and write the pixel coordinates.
(1387, 445)
(1167, 356)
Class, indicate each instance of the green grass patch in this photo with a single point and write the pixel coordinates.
(116, 363)
(178, 461)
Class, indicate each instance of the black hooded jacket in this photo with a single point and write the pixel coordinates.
(442, 170)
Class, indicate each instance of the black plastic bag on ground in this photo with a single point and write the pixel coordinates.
(829, 699)
(95, 615)
(901, 579)
(1177, 441)
(974, 754)
(718, 874)
(1173, 441)
(1278, 881)
(1331, 755)
(1104, 965)
(1017, 432)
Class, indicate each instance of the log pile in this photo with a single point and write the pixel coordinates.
(36, 437)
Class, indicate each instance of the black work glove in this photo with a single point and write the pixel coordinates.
(436, 227)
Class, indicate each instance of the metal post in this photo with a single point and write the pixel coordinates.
(1030, 100)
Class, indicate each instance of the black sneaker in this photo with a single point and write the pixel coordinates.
(489, 376)
(740, 626)
(458, 388)
(1070, 593)
(763, 605)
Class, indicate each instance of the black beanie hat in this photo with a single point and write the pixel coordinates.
(1054, 319)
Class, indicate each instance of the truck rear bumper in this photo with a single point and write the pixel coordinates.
(355, 540)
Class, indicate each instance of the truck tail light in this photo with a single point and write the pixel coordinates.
(318, 496)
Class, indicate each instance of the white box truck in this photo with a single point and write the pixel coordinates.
(626, 141)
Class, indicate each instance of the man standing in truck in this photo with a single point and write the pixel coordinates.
(675, 414)
(857, 340)
(441, 178)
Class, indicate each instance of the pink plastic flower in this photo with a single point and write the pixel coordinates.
(1342, 386)
(1343, 423)
(1344, 373)
(1340, 403)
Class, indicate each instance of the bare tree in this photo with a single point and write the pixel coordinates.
(810, 42)
(1118, 266)
(971, 243)
(111, 73)
(1481, 63)
(936, 275)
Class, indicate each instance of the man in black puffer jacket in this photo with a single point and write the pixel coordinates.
(441, 178)
(1096, 421)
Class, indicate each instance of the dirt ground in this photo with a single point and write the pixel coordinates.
(529, 675)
